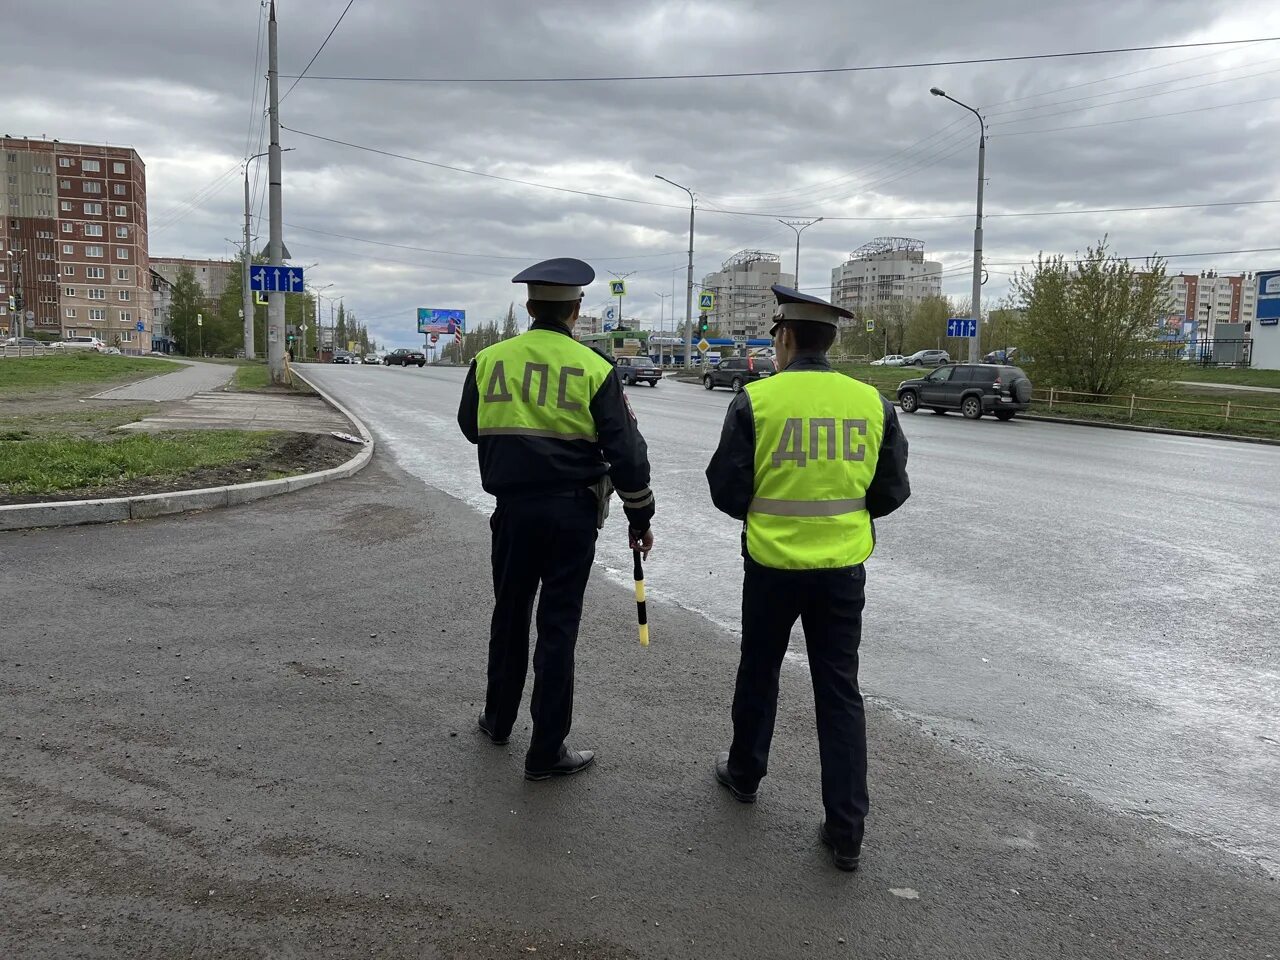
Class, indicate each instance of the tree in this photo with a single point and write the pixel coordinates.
(340, 329)
(509, 328)
(188, 302)
(1090, 324)
(224, 330)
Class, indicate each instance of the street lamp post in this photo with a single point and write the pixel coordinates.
(688, 299)
(976, 306)
(662, 312)
(315, 319)
(799, 226)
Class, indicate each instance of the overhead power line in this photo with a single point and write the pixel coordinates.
(774, 215)
(810, 71)
(1149, 116)
(298, 78)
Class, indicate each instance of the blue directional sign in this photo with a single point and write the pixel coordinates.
(271, 277)
(962, 327)
(141, 327)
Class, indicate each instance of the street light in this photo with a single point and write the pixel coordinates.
(246, 264)
(688, 299)
(662, 310)
(976, 306)
(315, 318)
(799, 226)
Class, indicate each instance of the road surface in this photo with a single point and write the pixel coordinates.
(1098, 605)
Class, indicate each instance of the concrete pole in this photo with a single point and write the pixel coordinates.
(246, 266)
(275, 246)
(688, 297)
(974, 349)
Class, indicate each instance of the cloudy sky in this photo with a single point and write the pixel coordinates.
(181, 81)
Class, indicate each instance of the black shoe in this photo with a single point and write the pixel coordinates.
(483, 724)
(740, 793)
(846, 859)
(570, 762)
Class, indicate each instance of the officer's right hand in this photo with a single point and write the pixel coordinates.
(642, 542)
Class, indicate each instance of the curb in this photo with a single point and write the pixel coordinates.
(65, 513)
(1138, 428)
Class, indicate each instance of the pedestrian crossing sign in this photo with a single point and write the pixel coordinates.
(871, 325)
(706, 300)
(618, 288)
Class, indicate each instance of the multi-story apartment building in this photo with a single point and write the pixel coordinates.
(1202, 301)
(212, 275)
(74, 237)
(744, 303)
(885, 270)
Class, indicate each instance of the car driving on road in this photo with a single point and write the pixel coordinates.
(371, 358)
(79, 343)
(404, 356)
(635, 370)
(971, 388)
(736, 372)
(927, 358)
(890, 360)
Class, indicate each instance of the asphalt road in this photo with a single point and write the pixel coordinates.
(1098, 606)
(249, 734)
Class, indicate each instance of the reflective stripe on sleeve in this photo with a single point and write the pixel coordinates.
(806, 508)
(640, 498)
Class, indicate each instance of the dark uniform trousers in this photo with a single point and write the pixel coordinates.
(829, 605)
(547, 540)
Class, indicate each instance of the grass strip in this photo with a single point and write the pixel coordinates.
(33, 374)
(51, 464)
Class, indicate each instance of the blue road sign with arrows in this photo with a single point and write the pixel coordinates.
(962, 327)
(272, 278)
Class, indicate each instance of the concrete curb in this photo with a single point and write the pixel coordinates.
(1138, 428)
(64, 513)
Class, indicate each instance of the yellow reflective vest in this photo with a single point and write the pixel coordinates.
(539, 384)
(817, 441)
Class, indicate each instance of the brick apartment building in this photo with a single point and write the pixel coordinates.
(73, 236)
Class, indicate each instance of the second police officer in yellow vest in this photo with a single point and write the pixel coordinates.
(553, 427)
(807, 459)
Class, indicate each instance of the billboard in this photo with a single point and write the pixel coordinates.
(431, 320)
(1268, 297)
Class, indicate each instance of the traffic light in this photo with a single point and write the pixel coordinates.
(705, 326)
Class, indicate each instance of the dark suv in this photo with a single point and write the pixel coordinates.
(635, 370)
(971, 388)
(404, 356)
(736, 372)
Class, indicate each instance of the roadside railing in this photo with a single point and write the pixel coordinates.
(1134, 408)
(25, 350)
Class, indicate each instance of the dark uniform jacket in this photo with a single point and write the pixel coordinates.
(529, 466)
(731, 473)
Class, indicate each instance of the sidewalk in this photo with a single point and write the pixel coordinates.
(1228, 386)
(195, 378)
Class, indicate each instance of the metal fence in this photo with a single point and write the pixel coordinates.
(1207, 353)
(1135, 408)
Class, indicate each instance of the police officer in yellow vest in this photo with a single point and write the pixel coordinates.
(553, 428)
(808, 458)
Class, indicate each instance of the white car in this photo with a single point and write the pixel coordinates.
(890, 360)
(79, 343)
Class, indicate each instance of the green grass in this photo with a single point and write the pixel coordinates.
(54, 464)
(33, 374)
(86, 421)
(252, 376)
(1244, 378)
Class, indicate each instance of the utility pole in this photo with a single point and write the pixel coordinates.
(623, 277)
(246, 263)
(976, 306)
(688, 297)
(799, 226)
(275, 246)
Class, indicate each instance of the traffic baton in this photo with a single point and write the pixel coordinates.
(642, 614)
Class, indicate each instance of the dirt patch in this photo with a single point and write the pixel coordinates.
(288, 454)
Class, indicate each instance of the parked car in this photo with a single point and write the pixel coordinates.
(737, 372)
(927, 358)
(404, 356)
(635, 370)
(1007, 355)
(21, 342)
(971, 388)
(79, 343)
(890, 360)
(371, 358)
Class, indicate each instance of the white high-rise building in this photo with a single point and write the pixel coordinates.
(744, 303)
(886, 270)
(1204, 300)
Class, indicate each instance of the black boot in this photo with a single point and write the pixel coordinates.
(570, 762)
(740, 792)
(488, 731)
(844, 856)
